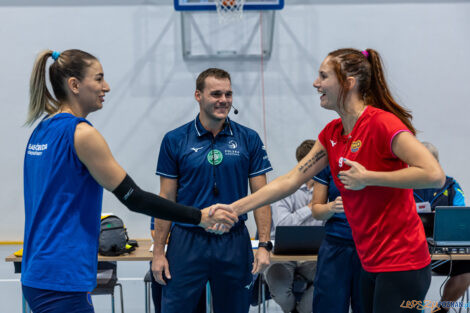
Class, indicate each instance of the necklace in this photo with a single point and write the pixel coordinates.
(357, 118)
(350, 136)
(362, 111)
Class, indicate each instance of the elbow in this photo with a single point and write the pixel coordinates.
(316, 215)
(441, 180)
(437, 178)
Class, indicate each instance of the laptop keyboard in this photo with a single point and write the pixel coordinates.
(450, 250)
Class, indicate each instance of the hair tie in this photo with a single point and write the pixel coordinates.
(55, 55)
(365, 53)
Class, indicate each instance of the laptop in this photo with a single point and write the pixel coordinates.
(298, 240)
(452, 230)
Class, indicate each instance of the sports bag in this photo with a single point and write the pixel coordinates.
(113, 239)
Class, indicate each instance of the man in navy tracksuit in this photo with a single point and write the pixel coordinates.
(210, 160)
(157, 288)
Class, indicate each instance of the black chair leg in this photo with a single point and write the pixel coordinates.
(122, 298)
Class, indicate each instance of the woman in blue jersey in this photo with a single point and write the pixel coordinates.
(67, 164)
(336, 285)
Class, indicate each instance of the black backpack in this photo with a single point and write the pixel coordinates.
(113, 237)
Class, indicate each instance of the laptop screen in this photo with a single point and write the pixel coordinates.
(298, 240)
(452, 226)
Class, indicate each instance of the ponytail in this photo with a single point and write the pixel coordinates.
(40, 99)
(379, 94)
(366, 67)
(69, 63)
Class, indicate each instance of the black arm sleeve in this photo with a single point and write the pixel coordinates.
(138, 200)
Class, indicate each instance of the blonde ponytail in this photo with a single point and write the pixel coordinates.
(68, 63)
(40, 99)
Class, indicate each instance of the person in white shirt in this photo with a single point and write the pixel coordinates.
(294, 210)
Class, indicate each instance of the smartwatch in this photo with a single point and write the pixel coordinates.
(268, 245)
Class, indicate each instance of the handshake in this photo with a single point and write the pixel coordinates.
(218, 218)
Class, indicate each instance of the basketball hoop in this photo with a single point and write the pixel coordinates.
(229, 10)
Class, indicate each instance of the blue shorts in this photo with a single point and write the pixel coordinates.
(51, 301)
(195, 257)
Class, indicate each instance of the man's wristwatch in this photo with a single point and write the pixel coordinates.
(268, 245)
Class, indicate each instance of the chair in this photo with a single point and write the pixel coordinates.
(106, 282)
(148, 280)
(148, 285)
(260, 293)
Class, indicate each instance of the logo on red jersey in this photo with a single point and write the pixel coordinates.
(356, 145)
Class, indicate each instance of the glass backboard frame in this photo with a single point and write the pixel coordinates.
(201, 41)
(209, 5)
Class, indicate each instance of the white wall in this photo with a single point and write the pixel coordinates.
(423, 43)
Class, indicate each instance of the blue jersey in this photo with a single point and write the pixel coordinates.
(337, 225)
(62, 210)
(196, 159)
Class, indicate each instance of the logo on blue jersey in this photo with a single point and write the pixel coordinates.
(36, 149)
(215, 157)
(196, 149)
(232, 144)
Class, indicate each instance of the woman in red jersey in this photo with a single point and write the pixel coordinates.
(376, 161)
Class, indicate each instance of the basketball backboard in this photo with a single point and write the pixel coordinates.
(209, 5)
(245, 29)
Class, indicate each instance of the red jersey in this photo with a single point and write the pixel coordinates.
(386, 228)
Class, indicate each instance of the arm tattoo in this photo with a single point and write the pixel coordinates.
(307, 165)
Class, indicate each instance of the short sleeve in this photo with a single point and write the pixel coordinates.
(322, 137)
(459, 198)
(259, 161)
(388, 127)
(323, 177)
(167, 165)
(328, 133)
